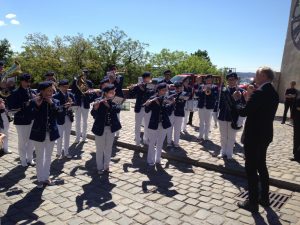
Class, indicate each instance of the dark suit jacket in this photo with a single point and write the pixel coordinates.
(87, 99)
(260, 111)
(141, 97)
(62, 113)
(100, 114)
(162, 110)
(20, 99)
(44, 115)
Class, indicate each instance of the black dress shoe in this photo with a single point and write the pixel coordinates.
(264, 202)
(248, 206)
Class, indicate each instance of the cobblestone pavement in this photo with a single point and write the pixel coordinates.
(279, 152)
(175, 193)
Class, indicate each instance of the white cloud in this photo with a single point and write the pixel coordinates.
(14, 22)
(10, 16)
(2, 23)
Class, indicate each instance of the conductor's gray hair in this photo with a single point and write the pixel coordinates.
(267, 71)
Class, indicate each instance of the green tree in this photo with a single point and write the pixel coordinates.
(166, 59)
(195, 64)
(115, 47)
(202, 54)
(6, 52)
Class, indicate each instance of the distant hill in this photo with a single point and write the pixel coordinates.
(245, 77)
(245, 74)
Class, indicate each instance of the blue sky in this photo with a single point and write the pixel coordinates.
(236, 33)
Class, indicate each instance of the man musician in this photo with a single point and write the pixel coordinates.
(84, 96)
(142, 93)
(117, 81)
(19, 102)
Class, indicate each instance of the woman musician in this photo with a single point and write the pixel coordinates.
(142, 94)
(159, 122)
(177, 116)
(18, 101)
(44, 131)
(207, 96)
(65, 118)
(106, 123)
(229, 120)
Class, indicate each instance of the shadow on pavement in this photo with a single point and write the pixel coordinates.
(31, 201)
(97, 193)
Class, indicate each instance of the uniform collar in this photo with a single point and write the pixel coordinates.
(261, 86)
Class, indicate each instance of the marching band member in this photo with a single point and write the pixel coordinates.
(50, 76)
(158, 124)
(44, 130)
(4, 126)
(207, 97)
(117, 81)
(19, 101)
(82, 102)
(189, 103)
(167, 75)
(65, 118)
(198, 82)
(229, 120)
(142, 95)
(177, 115)
(105, 125)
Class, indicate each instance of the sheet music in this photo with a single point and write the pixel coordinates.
(118, 100)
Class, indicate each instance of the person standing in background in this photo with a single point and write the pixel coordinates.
(290, 98)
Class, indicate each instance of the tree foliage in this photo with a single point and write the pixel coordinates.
(6, 52)
(68, 55)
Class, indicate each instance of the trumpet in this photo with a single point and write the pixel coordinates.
(207, 90)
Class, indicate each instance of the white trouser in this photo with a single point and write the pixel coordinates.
(177, 122)
(228, 136)
(64, 133)
(25, 145)
(215, 117)
(104, 145)
(241, 120)
(43, 157)
(156, 137)
(170, 129)
(80, 111)
(137, 128)
(186, 117)
(117, 134)
(205, 120)
(5, 131)
(146, 129)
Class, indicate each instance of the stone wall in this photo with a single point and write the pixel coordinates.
(290, 67)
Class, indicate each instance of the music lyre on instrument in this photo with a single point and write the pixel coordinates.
(13, 71)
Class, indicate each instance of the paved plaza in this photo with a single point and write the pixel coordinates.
(192, 186)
